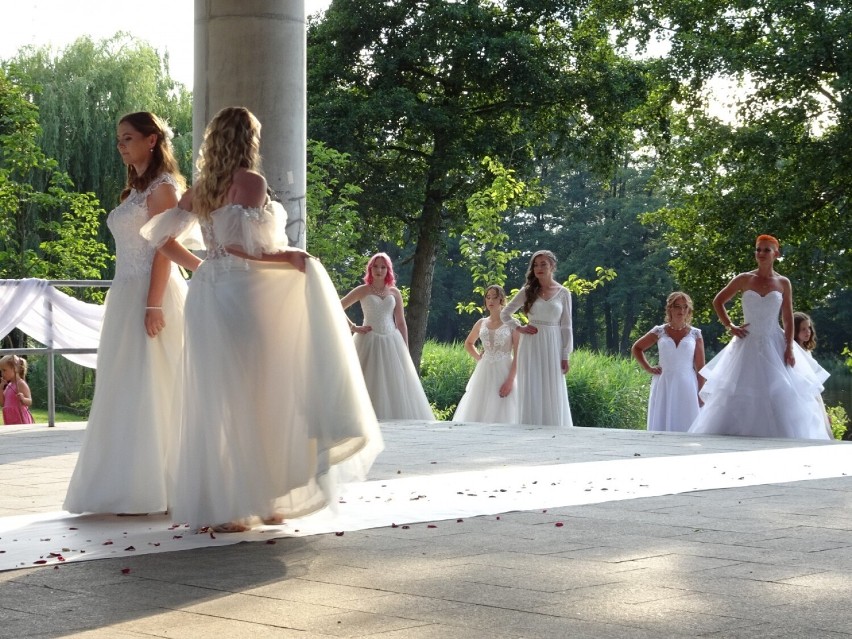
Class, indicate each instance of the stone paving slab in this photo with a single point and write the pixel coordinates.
(771, 560)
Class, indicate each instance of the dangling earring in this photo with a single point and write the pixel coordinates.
(151, 149)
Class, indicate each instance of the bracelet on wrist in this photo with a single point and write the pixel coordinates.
(152, 308)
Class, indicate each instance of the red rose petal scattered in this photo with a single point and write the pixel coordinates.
(125, 571)
(544, 511)
(56, 567)
(270, 541)
(431, 526)
(559, 524)
(212, 536)
(177, 536)
(73, 528)
(107, 543)
(458, 521)
(40, 561)
(130, 548)
(339, 534)
(498, 516)
(406, 527)
(394, 526)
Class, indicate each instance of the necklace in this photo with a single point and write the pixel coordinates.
(380, 292)
(675, 328)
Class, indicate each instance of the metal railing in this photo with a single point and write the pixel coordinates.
(48, 348)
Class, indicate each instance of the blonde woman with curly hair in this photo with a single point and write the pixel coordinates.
(266, 346)
(673, 403)
(121, 467)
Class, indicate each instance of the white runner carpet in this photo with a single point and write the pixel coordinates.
(53, 538)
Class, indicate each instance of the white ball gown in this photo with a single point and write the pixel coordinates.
(673, 402)
(481, 401)
(392, 380)
(122, 463)
(542, 392)
(750, 390)
(275, 410)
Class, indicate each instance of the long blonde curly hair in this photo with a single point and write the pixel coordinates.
(231, 142)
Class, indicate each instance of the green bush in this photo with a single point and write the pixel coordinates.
(839, 420)
(605, 391)
(444, 371)
(74, 385)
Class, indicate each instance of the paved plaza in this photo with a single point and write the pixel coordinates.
(764, 551)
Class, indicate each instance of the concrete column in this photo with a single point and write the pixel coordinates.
(253, 53)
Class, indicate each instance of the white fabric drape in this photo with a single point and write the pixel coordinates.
(51, 317)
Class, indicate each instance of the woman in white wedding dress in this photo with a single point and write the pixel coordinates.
(673, 403)
(275, 411)
(382, 345)
(546, 344)
(760, 384)
(490, 395)
(121, 467)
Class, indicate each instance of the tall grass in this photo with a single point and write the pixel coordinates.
(604, 390)
(444, 371)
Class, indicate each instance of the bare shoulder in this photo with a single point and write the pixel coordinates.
(248, 188)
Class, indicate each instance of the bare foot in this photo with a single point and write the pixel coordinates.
(273, 520)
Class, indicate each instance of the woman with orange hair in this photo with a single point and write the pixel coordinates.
(759, 385)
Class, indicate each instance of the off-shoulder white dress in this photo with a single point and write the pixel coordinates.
(275, 408)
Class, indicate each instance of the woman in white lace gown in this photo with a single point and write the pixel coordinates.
(275, 411)
(673, 403)
(760, 385)
(490, 394)
(121, 467)
(382, 345)
(546, 344)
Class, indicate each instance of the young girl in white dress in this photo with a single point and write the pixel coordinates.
(546, 344)
(382, 345)
(490, 395)
(673, 403)
(275, 410)
(805, 335)
(122, 465)
(759, 385)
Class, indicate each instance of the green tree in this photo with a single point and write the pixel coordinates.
(49, 233)
(334, 227)
(419, 92)
(781, 164)
(81, 93)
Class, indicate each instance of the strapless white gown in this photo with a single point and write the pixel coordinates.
(750, 390)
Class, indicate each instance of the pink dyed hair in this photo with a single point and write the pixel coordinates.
(390, 278)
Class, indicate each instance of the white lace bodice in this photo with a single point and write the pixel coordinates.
(378, 313)
(496, 343)
(133, 254)
(761, 312)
